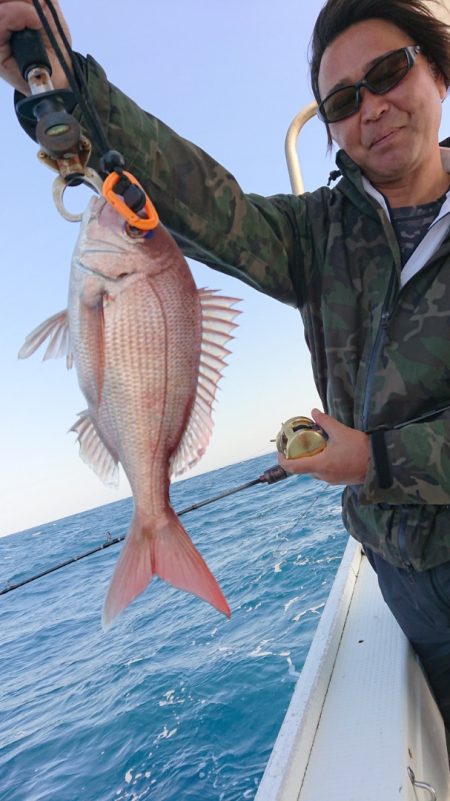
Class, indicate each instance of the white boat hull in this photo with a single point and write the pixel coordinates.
(362, 724)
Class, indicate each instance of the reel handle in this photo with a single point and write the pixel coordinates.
(29, 51)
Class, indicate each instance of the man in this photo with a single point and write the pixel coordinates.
(368, 265)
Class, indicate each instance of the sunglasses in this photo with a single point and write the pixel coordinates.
(382, 77)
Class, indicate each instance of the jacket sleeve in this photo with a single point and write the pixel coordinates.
(257, 239)
(410, 465)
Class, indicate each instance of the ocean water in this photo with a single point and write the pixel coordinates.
(174, 702)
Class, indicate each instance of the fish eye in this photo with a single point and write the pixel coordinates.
(133, 233)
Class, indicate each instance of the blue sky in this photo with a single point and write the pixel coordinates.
(230, 76)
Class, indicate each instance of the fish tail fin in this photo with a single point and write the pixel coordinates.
(167, 552)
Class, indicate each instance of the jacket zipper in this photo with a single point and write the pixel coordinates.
(376, 349)
(379, 341)
(427, 416)
(401, 541)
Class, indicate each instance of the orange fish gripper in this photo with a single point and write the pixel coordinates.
(132, 218)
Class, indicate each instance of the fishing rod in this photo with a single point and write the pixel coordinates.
(270, 476)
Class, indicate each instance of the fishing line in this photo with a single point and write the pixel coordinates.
(305, 512)
(270, 476)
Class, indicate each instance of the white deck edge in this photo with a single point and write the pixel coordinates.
(296, 736)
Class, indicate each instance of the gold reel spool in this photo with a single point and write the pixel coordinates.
(299, 437)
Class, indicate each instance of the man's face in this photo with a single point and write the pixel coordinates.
(391, 135)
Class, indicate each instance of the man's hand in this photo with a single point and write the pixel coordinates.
(15, 15)
(344, 460)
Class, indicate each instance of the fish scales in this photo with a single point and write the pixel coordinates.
(148, 349)
(150, 371)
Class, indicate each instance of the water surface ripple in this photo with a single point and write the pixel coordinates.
(175, 701)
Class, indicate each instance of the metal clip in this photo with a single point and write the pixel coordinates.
(422, 785)
(89, 177)
(73, 163)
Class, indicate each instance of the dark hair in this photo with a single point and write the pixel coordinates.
(414, 17)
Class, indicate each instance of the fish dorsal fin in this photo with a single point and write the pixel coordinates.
(217, 326)
(56, 330)
(93, 450)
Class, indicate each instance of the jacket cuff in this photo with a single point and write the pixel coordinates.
(381, 460)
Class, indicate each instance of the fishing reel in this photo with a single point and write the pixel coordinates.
(299, 437)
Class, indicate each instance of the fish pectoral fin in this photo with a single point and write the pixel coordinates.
(93, 450)
(217, 325)
(56, 330)
(167, 552)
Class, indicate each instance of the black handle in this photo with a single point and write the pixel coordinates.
(29, 51)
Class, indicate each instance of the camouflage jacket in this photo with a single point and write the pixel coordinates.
(380, 351)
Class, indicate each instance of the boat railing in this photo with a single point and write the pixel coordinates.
(292, 158)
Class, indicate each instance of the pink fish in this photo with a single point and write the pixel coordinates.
(149, 349)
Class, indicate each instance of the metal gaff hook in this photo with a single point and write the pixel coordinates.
(90, 177)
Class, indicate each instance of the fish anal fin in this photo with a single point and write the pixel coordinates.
(217, 326)
(56, 330)
(93, 450)
(166, 551)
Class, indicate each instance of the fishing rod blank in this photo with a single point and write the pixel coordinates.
(270, 476)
